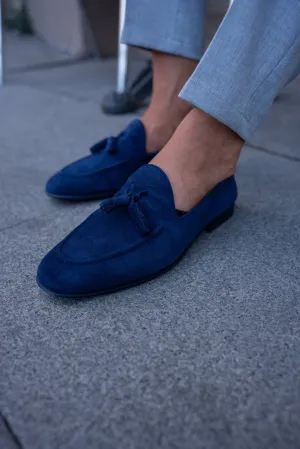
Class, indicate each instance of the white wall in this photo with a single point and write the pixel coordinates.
(60, 23)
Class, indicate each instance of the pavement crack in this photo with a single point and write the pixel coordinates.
(14, 225)
(11, 432)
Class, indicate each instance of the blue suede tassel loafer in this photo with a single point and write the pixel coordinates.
(133, 237)
(104, 172)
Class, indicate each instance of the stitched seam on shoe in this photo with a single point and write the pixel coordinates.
(66, 260)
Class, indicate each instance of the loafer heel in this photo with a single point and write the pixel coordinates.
(213, 225)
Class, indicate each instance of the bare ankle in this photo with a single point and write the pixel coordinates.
(162, 121)
(202, 153)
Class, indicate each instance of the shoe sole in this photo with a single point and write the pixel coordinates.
(212, 226)
(96, 196)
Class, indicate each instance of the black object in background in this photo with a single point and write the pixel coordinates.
(134, 97)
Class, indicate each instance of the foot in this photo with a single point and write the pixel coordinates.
(134, 237)
(202, 153)
(102, 173)
(113, 160)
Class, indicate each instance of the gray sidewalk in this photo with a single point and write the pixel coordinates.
(205, 357)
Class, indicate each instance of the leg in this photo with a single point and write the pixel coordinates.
(255, 52)
(174, 31)
(232, 88)
(177, 46)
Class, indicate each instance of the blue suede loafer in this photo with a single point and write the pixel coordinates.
(133, 237)
(103, 173)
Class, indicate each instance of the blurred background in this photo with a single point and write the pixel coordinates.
(42, 34)
(66, 25)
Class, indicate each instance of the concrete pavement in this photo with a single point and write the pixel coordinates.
(205, 357)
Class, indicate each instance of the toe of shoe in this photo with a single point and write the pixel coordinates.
(57, 277)
(52, 275)
(66, 187)
(63, 186)
(58, 185)
(63, 278)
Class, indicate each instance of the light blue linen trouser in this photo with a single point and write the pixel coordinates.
(255, 52)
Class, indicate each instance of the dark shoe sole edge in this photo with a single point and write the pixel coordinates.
(96, 196)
